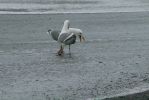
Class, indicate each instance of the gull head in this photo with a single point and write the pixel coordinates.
(49, 31)
(67, 23)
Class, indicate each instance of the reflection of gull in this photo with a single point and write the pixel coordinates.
(67, 36)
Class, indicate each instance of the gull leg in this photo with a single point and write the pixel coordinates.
(69, 50)
(60, 52)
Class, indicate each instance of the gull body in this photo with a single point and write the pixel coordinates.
(55, 33)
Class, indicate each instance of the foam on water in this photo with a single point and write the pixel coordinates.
(73, 6)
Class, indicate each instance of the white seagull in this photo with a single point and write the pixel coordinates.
(67, 36)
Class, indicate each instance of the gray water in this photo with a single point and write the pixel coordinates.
(71, 6)
(112, 61)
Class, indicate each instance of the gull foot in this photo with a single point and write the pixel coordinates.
(60, 52)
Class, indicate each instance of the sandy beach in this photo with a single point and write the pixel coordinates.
(112, 62)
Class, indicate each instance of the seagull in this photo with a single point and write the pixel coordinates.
(67, 36)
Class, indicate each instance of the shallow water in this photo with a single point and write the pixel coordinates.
(113, 60)
(71, 6)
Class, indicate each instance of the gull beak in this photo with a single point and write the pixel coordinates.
(81, 37)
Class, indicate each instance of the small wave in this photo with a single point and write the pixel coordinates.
(75, 2)
(14, 10)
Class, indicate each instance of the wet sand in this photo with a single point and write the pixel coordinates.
(113, 60)
(136, 96)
